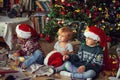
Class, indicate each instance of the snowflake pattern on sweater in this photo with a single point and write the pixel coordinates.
(90, 57)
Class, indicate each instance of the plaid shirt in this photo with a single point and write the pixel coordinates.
(29, 46)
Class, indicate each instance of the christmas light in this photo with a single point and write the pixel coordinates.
(62, 0)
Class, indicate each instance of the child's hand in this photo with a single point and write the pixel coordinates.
(16, 54)
(65, 57)
(81, 69)
(21, 59)
(65, 52)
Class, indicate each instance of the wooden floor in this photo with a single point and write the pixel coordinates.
(51, 78)
(102, 76)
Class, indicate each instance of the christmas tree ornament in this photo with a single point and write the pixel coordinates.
(42, 35)
(63, 12)
(109, 39)
(113, 1)
(89, 15)
(78, 10)
(47, 19)
(48, 38)
(100, 9)
(119, 24)
(118, 16)
(48, 15)
(68, 4)
(62, 1)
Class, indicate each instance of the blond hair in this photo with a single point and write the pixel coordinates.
(67, 30)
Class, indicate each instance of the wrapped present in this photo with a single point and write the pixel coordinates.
(113, 63)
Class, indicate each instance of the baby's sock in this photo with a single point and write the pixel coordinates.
(65, 73)
(113, 78)
(89, 79)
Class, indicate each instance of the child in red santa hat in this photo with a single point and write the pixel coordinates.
(61, 47)
(89, 61)
(30, 51)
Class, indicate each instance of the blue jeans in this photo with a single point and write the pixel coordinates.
(71, 68)
(36, 57)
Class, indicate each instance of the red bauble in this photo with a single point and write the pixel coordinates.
(68, 4)
(109, 39)
(42, 35)
(63, 12)
(48, 38)
(88, 12)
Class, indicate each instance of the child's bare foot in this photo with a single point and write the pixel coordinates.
(81, 69)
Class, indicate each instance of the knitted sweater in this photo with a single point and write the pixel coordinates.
(90, 57)
(28, 47)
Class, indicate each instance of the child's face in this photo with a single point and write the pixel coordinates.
(63, 37)
(21, 39)
(90, 41)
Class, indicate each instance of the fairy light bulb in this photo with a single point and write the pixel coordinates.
(62, 0)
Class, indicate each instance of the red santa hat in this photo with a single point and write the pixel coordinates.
(25, 31)
(99, 35)
(96, 34)
(54, 58)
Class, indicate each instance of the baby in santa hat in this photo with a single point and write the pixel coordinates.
(61, 47)
(30, 51)
(88, 62)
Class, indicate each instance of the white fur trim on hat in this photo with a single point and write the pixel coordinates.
(22, 34)
(91, 35)
(48, 56)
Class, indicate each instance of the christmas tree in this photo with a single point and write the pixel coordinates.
(81, 13)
